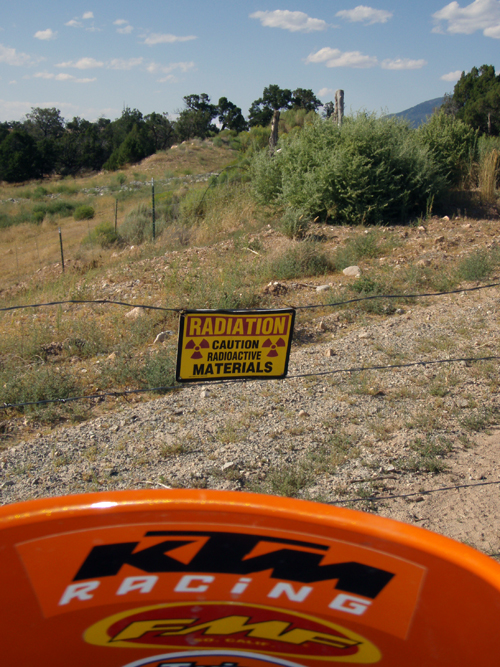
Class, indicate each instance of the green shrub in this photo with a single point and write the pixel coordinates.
(371, 170)
(57, 208)
(40, 192)
(84, 212)
(103, 235)
(452, 143)
(38, 217)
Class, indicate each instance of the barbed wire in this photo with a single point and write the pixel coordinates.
(97, 301)
(358, 369)
(440, 489)
(306, 307)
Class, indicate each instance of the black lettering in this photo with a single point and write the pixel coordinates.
(259, 369)
(199, 369)
(251, 367)
(255, 344)
(230, 344)
(210, 356)
(236, 368)
(219, 366)
(209, 370)
(268, 367)
(222, 345)
(227, 553)
(248, 344)
(227, 369)
(215, 345)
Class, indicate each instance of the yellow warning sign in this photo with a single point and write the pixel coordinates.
(222, 344)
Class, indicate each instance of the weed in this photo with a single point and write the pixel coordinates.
(428, 456)
(289, 480)
(294, 224)
(476, 266)
(299, 261)
(172, 450)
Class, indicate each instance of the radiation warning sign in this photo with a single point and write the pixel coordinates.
(222, 344)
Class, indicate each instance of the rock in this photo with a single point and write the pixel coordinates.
(353, 271)
(135, 313)
(322, 288)
(322, 326)
(445, 218)
(229, 464)
(421, 229)
(112, 356)
(303, 413)
(438, 240)
(162, 336)
(424, 262)
(204, 393)
(331, 353)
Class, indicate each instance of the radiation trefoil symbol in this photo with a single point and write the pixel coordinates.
(269, 343)
(192, 345)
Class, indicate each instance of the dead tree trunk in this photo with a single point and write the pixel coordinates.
(339, 107)
(273, 139)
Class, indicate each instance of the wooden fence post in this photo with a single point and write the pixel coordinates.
(273, 139)
(339, 107)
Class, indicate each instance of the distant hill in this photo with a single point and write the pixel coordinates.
(418, 114)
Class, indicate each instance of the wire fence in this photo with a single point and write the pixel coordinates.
(357, 369)
(166, 388)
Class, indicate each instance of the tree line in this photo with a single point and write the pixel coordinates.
(43, 143)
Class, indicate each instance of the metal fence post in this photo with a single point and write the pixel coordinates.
(62, 253)
(153, 206)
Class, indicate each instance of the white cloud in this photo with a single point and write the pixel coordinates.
(61, 77)
(168, 79)
(156, 38)
(403, 63)
(120, 63)
(337, 58)
(46, 34)
(88, 15)
(479, 15)
(293, 21)
(125, 28)
(83, 63)
(363, 14)
(155, 68)
(326, 92)
(74, 24)
(452, 76)
(9, 56)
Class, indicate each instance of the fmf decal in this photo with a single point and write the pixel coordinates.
(148, 564)
(218, 344)
(260, 629)
(212, 659)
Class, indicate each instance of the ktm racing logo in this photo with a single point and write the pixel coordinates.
(233, 626)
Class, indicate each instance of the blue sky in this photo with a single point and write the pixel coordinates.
(90, 59)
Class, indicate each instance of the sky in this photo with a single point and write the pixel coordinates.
(92, 59)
